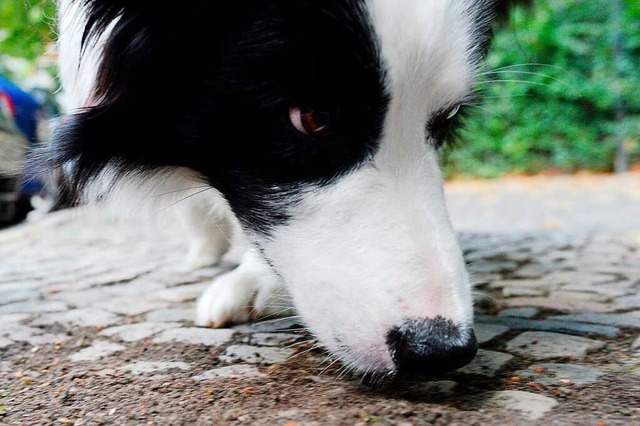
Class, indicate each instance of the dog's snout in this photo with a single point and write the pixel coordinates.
(431, 346)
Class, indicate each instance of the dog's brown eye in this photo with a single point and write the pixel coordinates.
(310, 121)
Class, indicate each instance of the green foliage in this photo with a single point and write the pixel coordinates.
(26, 28)
(561, 115)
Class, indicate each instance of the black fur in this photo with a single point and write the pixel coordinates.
(208, 86)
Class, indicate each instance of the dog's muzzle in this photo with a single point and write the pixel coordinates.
(426, 347)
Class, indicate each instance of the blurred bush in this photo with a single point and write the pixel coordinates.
(554, 95)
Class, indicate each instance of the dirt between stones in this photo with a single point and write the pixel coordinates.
(43, 387)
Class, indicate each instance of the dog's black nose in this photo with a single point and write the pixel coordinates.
(431, 346)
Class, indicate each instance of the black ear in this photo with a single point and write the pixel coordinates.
(141, 96)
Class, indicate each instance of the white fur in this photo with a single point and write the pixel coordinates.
(373, 249)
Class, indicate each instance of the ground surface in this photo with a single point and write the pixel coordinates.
(95, 324)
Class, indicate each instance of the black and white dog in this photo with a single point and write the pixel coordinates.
(310, 128)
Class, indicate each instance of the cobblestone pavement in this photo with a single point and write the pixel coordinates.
(96, 324)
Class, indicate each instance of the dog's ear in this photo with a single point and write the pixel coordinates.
(145, 93)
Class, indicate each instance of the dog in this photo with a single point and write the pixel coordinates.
(307, 131)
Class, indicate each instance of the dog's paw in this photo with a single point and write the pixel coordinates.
(237, 297)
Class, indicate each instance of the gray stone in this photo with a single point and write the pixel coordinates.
(531, 405)
(554, 374)
(230, 372)
(636, 344)
(31, 335)
(87, 317)
(13, 318)
(543, 345)
(131, 306)
(139, 331)
(576, 277)
(522, 291)
(184, 293)
(139, 287)
(631, 320)
(487, 363)
(196, 336)
(565, 304)
(98, 350)
(632, 301)
(256, 355)
(273, 339)
(492, 266)
(35, 307)
(428, 389)
(519, 312)
(10, 296)
(172, 315)
(549, 325)
(270, 326)
(148, 367)
(5, 342)
(487, 332)
(81, 299)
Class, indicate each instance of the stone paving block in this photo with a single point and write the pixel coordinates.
(196, 336)
(172, 315)
(148, 367)
(33, 336)
(131, 306)
(522, 292)
(81, 299)
(487, 363)
(577, 277)
(542, 345)
(531, 405)
(629, 320)
(139, 331)
(549, 374)
(4, 342)
(13, 318)
(273, 339)
(270, 326)
(487, 332)
(10, 296)
(632, 301)
(562, 305)
(98, 350)
(87, 317)
(184, 293)
(519, 312)
(256, 355)
(140, 287)
(636, 344)
(34, 307)
(549, 325)
(230, 372)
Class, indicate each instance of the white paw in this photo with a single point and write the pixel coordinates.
(198, 258)
(241, 296)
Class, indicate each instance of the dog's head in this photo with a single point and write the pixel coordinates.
(319, 122)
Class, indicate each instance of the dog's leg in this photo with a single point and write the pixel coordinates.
(249, 292)
(208, 230)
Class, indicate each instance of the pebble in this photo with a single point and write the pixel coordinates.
(172, 315)
(543, 345)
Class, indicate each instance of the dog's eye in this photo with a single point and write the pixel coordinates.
(310, 121)
(453, 112)
(442, 123)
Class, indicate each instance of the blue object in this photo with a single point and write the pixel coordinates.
(26, 108)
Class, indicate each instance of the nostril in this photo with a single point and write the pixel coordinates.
(431, 346)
